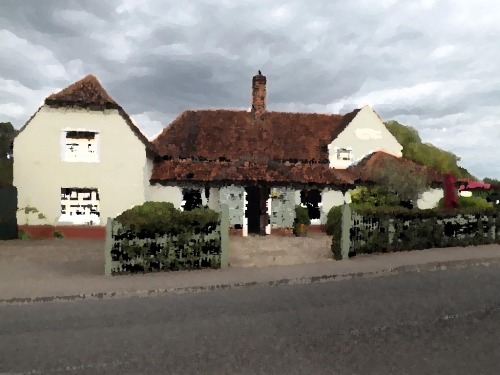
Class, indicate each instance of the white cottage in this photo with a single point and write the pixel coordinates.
(263, 163)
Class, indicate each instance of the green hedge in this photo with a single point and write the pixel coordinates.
(396, 229)
(163, 217)
(156, 236)
(466, 202)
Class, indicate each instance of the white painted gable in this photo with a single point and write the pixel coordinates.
(366, 133)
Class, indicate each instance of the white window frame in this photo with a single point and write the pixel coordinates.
(339, 151)
(80, 206)
(86, 151)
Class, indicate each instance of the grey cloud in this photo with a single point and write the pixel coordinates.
(204, 56)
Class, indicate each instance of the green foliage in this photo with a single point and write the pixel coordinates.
(395, 183)
(163, 217)
(424, 153)
(469, 202)
(334, 221)
(164, 238)
(480, 193)
(23, 235)
(386, 229)
(404, 134)
(302, 215)
(58, 234)
(373, 196)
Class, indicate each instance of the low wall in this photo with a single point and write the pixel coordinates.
(67, 231)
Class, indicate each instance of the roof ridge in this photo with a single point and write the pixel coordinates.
(87, 92)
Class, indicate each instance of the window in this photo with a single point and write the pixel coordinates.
(80, 146)
(80, 206)
(344, 154)
(191, 199)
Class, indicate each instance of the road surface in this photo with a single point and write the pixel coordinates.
(444, 322)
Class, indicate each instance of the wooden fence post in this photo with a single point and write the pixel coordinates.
(345, 243)
(108, 245)
(224, 233)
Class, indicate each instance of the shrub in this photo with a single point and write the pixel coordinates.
(373, 196)
(333, 219)
(469, 202)
(23, 235)
(163, 217)
(302, 215)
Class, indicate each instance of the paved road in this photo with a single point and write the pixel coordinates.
(444, 322)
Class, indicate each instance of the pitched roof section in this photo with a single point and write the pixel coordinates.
(248, 171)
(366, 169)
(231, 134)
(86, 93)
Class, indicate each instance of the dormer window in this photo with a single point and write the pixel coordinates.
(344, 154)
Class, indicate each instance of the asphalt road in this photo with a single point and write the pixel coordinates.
(444, 322)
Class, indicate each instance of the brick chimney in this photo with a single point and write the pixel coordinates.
(258, 95)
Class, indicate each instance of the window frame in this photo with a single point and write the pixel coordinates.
(85, 152)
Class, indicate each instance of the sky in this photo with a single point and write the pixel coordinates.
(431, 64)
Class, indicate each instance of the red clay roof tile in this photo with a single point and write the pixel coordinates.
(248, 171)
(229, 135)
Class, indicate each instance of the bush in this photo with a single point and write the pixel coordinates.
(373, 196)
(302, 215)
(333, 219)
(469, 202)
(163, 217)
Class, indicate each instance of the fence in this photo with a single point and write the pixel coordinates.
(372, 233)
(127, 252)
(8, 210)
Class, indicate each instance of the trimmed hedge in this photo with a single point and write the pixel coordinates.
(163, 218)
(156, 236)
(387, 229)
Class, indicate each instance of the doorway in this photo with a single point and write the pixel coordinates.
(312, 199)
(256, 209)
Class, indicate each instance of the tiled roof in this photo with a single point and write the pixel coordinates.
(366, 169)
(231, 134)
(248, 171)
(85, 93)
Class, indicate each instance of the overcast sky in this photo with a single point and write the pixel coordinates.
(432, 64)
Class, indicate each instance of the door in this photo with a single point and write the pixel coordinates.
(252, 211)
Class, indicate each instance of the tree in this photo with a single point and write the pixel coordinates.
(404, 134)
(425, 153)
(7, 134)
(406, 181)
